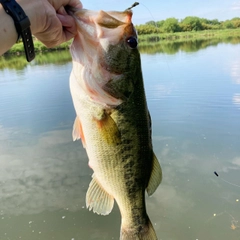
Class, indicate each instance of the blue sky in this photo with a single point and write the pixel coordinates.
(159, 10)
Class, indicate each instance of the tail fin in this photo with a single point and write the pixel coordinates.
(144, 232)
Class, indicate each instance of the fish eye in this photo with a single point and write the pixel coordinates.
(132, 42)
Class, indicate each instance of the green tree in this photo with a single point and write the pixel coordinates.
(191, 24)
(235, 19)
(228, 24)
(146, 29)
(160, 23)
(152, 23)
(204, 21)
(236, 22)
(210, 24)
(214, 22)
(171, 25)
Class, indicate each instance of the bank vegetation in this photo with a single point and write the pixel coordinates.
(188, 24)
(171, 29)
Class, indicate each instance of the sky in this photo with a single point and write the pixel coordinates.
(160, 10)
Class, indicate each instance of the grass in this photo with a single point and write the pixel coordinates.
(149, 47)
(38, 46)
(144, 39)
(180, 36)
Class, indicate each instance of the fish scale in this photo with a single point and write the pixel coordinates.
(113, 120)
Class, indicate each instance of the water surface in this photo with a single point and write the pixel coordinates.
(194, 100)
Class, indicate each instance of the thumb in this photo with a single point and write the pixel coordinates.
(69, 25)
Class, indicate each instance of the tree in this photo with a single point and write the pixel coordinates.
(146, 29)
(214, 22)
(235, 19)
(171, 25)
(152, 23)
(209, 24)
(228, 24)
(160, 23)
(191, 24)
(236, 22)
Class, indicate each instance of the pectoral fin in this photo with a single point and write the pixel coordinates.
(77, 132)
(108, 129)
(155, 178)
(97, 199)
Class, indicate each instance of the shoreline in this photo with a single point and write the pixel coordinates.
(18, 48)
(185, 36)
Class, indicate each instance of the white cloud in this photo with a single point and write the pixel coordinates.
(235, 72)
(42, 173)
(236, 99)
(236, 6)
(236, 162)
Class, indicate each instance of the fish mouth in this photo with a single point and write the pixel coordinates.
(99, 34)
(96, 24)
(100, 29)
(109, 19)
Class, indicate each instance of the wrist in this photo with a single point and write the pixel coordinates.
(32, 9)
(8, 33)
(22, 25)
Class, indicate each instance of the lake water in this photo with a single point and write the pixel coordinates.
(193, 95)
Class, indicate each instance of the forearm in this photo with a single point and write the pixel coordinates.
(50, 23)
(8, 33)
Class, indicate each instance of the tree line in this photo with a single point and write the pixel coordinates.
(171, 25)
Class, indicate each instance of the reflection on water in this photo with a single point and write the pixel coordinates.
(19, 62)
(235, 71)
(192, 45)
(194, 100)
(169, 47)
(40, 175)
(235, 74)
(236, 99)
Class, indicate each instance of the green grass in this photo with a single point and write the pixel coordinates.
(180, 36)
(38, 46)
(187, 40)
(18, 61)
(146, 39)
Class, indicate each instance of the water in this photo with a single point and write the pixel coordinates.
(194, 100)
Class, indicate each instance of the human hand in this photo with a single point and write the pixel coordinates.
(50, 23)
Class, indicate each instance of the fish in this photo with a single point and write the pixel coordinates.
(112, 118)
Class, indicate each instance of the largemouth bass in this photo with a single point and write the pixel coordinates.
(112, 120)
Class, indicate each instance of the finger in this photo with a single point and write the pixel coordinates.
(66, 20)
(58, 4)
(62, 11)
(69, 26)
(76, 4)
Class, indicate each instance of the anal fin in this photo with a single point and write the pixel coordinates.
(156, 176)
(97, 199)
